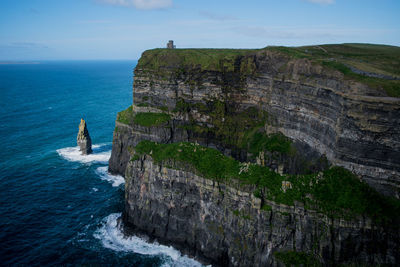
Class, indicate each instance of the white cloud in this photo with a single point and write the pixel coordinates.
(141, 4)
(322, 2)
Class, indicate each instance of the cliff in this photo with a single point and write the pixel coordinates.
(224, 224)
(355, 125)
(295, 112)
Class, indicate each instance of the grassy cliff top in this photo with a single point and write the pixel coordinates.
(379, 59)
(205, 59)
(375, 65)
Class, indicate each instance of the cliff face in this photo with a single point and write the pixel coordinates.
(225, 225)
(291, 114)
(353, 125)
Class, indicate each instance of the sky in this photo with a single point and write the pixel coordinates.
(123, 29)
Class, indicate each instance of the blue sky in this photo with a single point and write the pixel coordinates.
(123, 29)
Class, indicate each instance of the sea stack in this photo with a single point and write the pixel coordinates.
(83, 139)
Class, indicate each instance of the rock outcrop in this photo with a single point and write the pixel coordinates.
(83, 139)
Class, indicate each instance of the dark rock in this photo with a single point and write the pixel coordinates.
(225, 224)
(83, 139)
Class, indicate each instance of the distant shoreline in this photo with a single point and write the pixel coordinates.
(18, 62)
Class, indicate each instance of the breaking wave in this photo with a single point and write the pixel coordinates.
(101, 154)
(111, 237)
(116, 180)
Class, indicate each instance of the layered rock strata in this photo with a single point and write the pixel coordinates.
(224, 224)
(329, 119)
(354, 126)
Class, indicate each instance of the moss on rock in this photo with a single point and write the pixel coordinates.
(335, 192)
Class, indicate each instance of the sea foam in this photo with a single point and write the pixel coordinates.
(116, 180)
(99, 155)
(112, 237)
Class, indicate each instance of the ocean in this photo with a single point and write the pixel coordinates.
(58, 207)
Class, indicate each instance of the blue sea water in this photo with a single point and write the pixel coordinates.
(56, 206)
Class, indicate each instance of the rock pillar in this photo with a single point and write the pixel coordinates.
(83, 139)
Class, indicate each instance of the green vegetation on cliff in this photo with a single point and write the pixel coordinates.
(335, 192)
(151, 119)
(147, 119)
(203, 59)
(241, 129)
(378, 66)
(274, 142)
(126, 116)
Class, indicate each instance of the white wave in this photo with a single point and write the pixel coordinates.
(98, 155)
(111, 236)
(116, 180)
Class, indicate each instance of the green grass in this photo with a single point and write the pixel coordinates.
(147, 119)
(338, 193)
(232, 127)
(274, 142)
(209, 162)
(181, 60)
(341, 190)
(290, 51)
(266, 207)
(182, 106)
(151, 119)
(126, 116)
(294, 258)
(143, 105)
(391, 87)
(380, 59)
(241, 129)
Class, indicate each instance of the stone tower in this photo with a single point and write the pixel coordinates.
(170, 44)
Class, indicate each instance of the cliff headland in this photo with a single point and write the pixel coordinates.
(266, 157)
